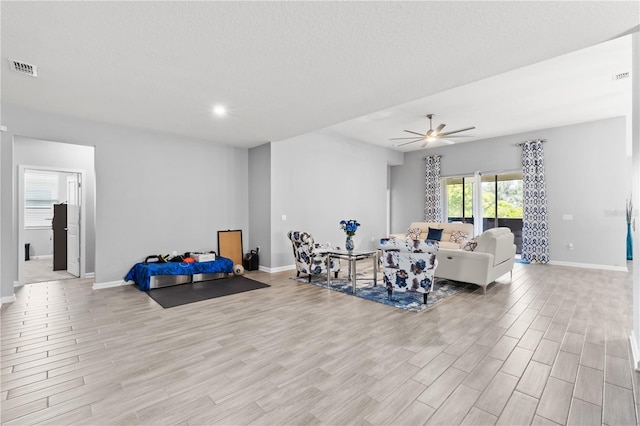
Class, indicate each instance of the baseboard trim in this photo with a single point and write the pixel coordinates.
(110, 284)
(17, 284)
(278, 269)
(590, 266)
(635, 352)
(90, 275)
(7, 299)
(42, 256)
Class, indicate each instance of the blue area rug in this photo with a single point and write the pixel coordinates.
(442, 289)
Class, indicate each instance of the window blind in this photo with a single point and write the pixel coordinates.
(41, 193)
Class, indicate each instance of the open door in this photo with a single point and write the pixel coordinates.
(59, 226)
(73, 224)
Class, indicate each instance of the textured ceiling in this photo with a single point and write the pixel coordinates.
(282, 68)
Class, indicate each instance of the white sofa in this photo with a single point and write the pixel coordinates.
(493, 257)
(446, 241)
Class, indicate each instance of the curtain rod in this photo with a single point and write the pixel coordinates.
(533, 140)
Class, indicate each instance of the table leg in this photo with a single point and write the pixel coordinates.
(375, 269)
(353, 281)
(328, 271)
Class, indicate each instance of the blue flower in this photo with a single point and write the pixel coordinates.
(349, 226)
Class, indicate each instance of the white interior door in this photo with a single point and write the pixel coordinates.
(73, 225)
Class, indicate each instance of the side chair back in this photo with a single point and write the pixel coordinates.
(310, 258)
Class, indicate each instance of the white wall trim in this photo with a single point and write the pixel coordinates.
(278, 269)
(90, 275)
(635, 352)
(17, 284)
(590, 266)
(118, 283)
(7, 299)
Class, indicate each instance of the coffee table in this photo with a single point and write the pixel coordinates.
(352, 257)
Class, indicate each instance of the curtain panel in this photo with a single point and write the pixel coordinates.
(433, 190)
(535, 230)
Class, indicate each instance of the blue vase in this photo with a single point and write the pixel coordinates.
(349, 243)
(629, 243)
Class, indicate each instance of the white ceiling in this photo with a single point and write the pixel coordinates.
(367, 70)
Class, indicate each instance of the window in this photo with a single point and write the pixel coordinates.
(459, 199)
(41, 193)
(500, 197)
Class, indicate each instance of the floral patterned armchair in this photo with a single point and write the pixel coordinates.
(311, 259)
(408, 266)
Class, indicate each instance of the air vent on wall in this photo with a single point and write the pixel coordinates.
(23, 68)
(621, 76)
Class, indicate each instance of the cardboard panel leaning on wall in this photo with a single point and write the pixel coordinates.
(585, 177)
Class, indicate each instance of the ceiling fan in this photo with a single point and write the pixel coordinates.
(432, 134)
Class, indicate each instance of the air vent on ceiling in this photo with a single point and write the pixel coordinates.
(23, 68)
(621, 76)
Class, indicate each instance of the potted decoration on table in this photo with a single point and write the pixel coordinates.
(349, 227)
(629, 239)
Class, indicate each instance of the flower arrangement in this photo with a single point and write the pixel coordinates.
(349, 226)
(629, 210)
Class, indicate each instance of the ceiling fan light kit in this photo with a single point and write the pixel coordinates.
(432, 134)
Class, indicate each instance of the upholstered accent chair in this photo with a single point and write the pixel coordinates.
(408, 265)
(310, 258)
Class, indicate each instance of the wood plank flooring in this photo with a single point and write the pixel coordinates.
(549, 347)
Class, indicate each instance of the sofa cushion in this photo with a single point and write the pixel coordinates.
(413, 233)
(434, 234)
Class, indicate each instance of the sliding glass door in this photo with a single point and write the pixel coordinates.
(500, 198)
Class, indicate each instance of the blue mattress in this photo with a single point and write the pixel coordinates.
(141, 273)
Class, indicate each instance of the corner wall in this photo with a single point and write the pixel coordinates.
(260, 202)
(320, 178)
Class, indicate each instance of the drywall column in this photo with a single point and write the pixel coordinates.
(635, 191)
(8, 269)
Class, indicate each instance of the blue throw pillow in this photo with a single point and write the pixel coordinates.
(434, 234)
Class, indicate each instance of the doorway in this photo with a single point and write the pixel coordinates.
(51, 224)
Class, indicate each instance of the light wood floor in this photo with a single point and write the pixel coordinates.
(549, 347)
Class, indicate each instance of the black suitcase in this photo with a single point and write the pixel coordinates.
(251, 261)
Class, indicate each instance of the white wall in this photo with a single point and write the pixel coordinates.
(586, 175)
(318, 179)
(155, 192)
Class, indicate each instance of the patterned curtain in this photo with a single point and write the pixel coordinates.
(535, 230)
(433, 190)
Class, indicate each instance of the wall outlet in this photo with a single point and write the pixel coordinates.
(570, 246)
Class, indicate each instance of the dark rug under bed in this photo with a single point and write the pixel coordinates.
(169, 297)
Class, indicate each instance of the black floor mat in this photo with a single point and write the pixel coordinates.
(181, 294)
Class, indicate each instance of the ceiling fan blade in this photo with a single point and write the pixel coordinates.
(440, 127)
(407, 143)
(397, 139)
(457, 131)
(416, 133)
(446, 141)
(456, 136)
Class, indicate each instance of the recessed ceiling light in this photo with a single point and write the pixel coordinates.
(220, 110)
